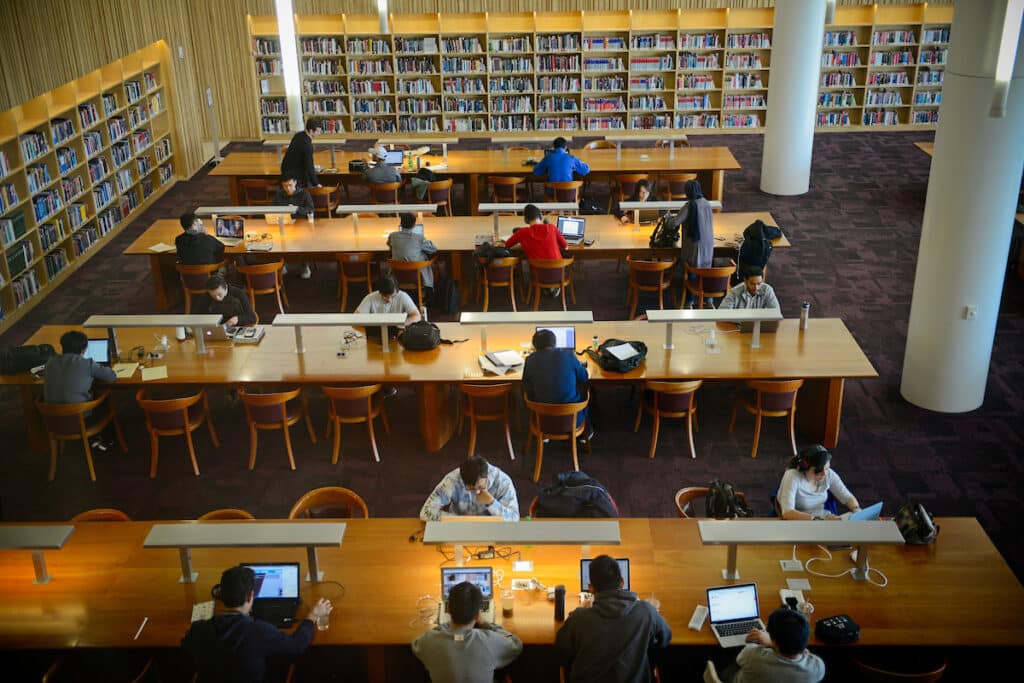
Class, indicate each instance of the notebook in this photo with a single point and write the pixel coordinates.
(230, 231)
(277, 592)
(585, 573)
(565, 336)
(572, 228)
(98, 350)
(767, 326)
(868, 514)
(732, 612)
(483, 577)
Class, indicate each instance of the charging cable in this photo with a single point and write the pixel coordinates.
(881, 583)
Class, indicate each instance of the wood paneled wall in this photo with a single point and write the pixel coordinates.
(46, 43)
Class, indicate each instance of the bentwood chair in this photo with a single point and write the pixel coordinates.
(675, 184)
(708, 283)
(499, 272)
(409, 275)
(486, 403)
(551, 274)
(440, 192)
(175, 417)
(649, 276)
(325, 200)
(505, 189)
(194, 279)
(265, 278)
(353, 267)
(686, 496)
(385, 193)
(101, 515)
(557, 422)
(351, 405)
(669, 399)
(257, 192)
(78, 422)
(329, 502)
(565, 191)
(278, 410)
(223, 514)
(768, 398)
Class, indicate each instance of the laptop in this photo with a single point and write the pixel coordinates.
(565, 336)
(394, 157)
(868, 514)
(572, 228)
(732, 612)
(98, 350)
(623, 563)
(217, 333)
(417, 229)
(767, 326)
(277, 592)
(483, 577)
(230, 231)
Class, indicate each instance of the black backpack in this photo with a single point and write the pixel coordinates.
(17, 359)
(607, 360)
(722, 503)
(447, 296)
(588, 207)
(421, 336)
(666, 232)
(916, 524)
(575, 494)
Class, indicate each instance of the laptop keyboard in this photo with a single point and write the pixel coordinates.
(736, 628)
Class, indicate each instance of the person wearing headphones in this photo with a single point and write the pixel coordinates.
(806, 484)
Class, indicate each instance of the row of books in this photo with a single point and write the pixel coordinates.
(129, 202)
(893, 37)
(144, 164)
(463, 65)
(888, 78)
(124, 179)
(468, 125)
(604, 43)
(558, 84)
(511, 123)
(603, 64)
(19, 256)
(51, 234)
(415, 65)
(840, 79)
(55, 262)
(165, 172)
(147, 187)
(603, 104)
(5, 164)
(662, 63)
(374, 106)
(558, 123)
(743, 61)
(883, 98)
(33, 145)
(647, 102)
(744, 81)
(329, 125)
(83, 239)
(326, 106)
(562, 42)
(836, 99)
(271, 107)
(268, 67)
(141, 139)
(925, 77)
(558, 63)
(110, 104)
(12, 228)
(45, 204)
(418, 124)
(650, 122)
(700, 41)
(694, 102)
(462, 106)
(653, 42)
(463, 85)
(78, 214)
(61, 130)
(604, 83)
(928, 97)
(25, 287)
(420, 86)
(108, 220)
(371, 125)
(933, 56)
(557, 104)
(415, 105)
(133, 91)
(646, 83)
(605, 123)
(93, 143)
(695, 82)
(150, 80)
(894, 58)
(163, 150)
(741, 121)
(464, 44)
(322, 67)
(369, 66)
(760, 41)
(375, 46)
(117, 128)
(38, 177)
(266, 46)
(510, 84)
(511, 105)
(840, 38)
(73, 187)
(370, 87)
(935, 35)
(927, 116)
(509, 44)
(743, 102)
(321, 46)
(67, 159)
(840, 59)
(424, 45)
(694, 60)
(102, 194)
(137, 116)
(120, 153)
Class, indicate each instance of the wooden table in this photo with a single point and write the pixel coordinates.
(468, 166)
(926, 147)
(454, 236)
(824, 355)
(957, 592)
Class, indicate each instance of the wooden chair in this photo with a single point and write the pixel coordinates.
(350, 405)
(772, 398)
(906, 667)
(353, 267)
(499, 272)
(409, 277)
(257, 192)
(623, 186)
(685, 496)
(486, 403)
(194, 279)
(329, 502)
(681, 140)
(175, 417)
(505, 189)
(68, 422)
(325, 200)
(278, 410)
(440, 192)
(101, 515)
(669, 399)
(265, 278)
(649, 276)
(675, 184)
(710, 283)
(385, 193)
(548, 274)
(223, 514)
(600, 144)
(566, 191)
(556, 422)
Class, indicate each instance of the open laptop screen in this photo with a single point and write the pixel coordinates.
(585, 573)
(394, 158)
(565, 336)
(276, 580)
(571, 227)
(732, 603)
(99, 351)
(230, 227)
(453, 576)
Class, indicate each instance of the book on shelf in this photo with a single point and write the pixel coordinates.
(464, 85)
(604, 43)
(651, 122)
(603, 104)
(109, 103)
(374, 125)
(87, 115)
(888, 78)
(33, 145)
(5, 164)
(509, 44)
(693, 102)
(133, 91)
(880, 118)
(603, 64)
(370, 87)
(120, 153)
(415, 65)
(150, 80)
(883, 98)
(605, 83)
(833, 119)
(760, 41)
(836, 99)
(463, 106)
(662, 63)
(743, 61)
(19, 257)
(840, 39)
(558, 123)
(892, 58)
(933, 57)
(311, 66)
(45, 204)
(695, 82)
(8, 196)
(67, 159)
(373, 46)
(25, 287)
(424, 45)
(72, 187)
(165, 172)
(521, 84)
(924, 116)
(838, 79)
(321, 45)
(647, 102)
(935, 35)
(38, 177)
(466, 44)
(846, 59)
(274, 125)
(266, 46)
(61, 130)
(661, 41)
(559, 42)
(698, 60)
(82, 240)
(557, 104)
(558, 63)
(369, 66)
(605, 123)
(78, 214)
(12, 228)
(163, 150)
(52, 233)
(418, 86)
(893, 37)
(741, 121)
(418, 124)
(117, 128)
(55, 262)
(415, 105)
(558, 84)
(700, 41)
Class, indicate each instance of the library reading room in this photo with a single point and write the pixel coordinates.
(469, 340)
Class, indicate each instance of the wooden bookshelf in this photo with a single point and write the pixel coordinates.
(609, 70)
(76, 165)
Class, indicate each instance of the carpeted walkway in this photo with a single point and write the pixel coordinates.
(855, 240)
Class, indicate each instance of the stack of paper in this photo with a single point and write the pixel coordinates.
(500, 362)
(162, 248)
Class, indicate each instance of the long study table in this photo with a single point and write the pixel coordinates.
(453, 236)
(468, 166)
(957, 592)
(824, 355)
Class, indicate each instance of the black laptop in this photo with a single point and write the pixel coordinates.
(277, 592)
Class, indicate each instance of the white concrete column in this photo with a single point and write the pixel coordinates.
(968, 218)
(792, 96)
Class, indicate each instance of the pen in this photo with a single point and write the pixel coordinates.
(145, 620)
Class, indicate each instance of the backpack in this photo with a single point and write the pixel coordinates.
(575, 494)
(588, 207)
(721, 501)
(916, 524)
(447, 296)
(608, 361)
(665, 233)
(421, 336)
(17, 359)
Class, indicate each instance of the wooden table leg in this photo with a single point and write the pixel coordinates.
(437, 419)
(37, 438)
(235, 188)
(472, 193)
(717, 185)
(819, 405)
(158, 283)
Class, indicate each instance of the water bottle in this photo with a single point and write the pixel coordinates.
(594, 342)
(423, 313)
(805, 314)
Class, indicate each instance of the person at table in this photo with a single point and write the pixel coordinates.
(778, 654)
(298, 159)
(613, 639)
(553, 375)
(230, 301)
(539, 240)
(291, 194)
(698, 231)
(232, 646)
(476, 487)
(381, 171)
(69, 377)
(388, 298)
(753, 292)
(641, 193)
(756, 247)
(558, 165)
(194, 246)
(805, 486)
(470, 649)
(408, 245)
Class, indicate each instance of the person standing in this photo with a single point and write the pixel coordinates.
(698, 241)
(298, 159)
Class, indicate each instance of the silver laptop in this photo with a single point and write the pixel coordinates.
(868, 514)
(565, 336)
(217, 333)
(98, 350)
(230, 231)
(732, 612)
(572, 228)
(623, 563)
(277, 592)
(394, 157)
(483, 577)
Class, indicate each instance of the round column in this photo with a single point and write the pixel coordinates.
(968, 217)
(792, 96)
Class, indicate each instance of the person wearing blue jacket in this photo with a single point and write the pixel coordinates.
(558, 165)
